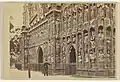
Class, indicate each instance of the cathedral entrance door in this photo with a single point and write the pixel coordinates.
(72, 64)
(40, 58)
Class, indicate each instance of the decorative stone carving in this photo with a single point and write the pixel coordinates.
(74, 38)
(80, 17)
(101, 21)
(101, 36)
(85, 36)
(101, 56)
(52, 58)
(80, 41)
(100, 11)
(107, 10)
(86, 14)
(92, 38)
(92, 56)
(108, 38)
(93, 11)
(68, 40)
(69, 21)
(80, 57)
(86, 58)
(73, 21)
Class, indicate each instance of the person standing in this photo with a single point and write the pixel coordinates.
(45, 65)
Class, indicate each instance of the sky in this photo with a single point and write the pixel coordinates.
(16, 11)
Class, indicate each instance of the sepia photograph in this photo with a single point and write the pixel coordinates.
(60, 41)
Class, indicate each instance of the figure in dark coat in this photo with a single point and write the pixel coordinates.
(46, 68)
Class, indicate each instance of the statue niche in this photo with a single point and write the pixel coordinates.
(100, 36)
(86, 40)
(79, 41)
(63, 50)
(74, 38)
(108, 38)
(114, 40)
(92, 58)
(79, 49)
(86, 14)
(68, 40)
(100, 11)
(80, 15)
(92, 38)
(101, 58)
(85, 32)
(93, 11)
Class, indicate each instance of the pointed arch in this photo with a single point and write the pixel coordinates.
(40, 55)
(72, 54)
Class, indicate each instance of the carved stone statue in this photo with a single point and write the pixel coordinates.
(101, 37)
(101, 56)
(93, 11)
(106, 7)
(100, 11)
(86, 15)
(79, 58)
(80, 41)
(69, 21)
(108, 38)
(86, 58)
(68, 39)
(86, 42)
(74, 38)
(92, 39)
(92, 56)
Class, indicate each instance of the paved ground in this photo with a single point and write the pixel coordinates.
(17, 74)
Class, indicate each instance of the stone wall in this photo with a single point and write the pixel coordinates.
(88, 28)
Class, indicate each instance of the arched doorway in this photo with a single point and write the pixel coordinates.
(72, 55)
(40, 58)
(40, 55)
(72, 60)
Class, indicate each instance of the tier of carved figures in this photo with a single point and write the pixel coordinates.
(94, 29)
(89, 27)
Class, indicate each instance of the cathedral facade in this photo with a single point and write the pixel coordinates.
(74, 38)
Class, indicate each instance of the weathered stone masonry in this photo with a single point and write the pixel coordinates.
(74, 38)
